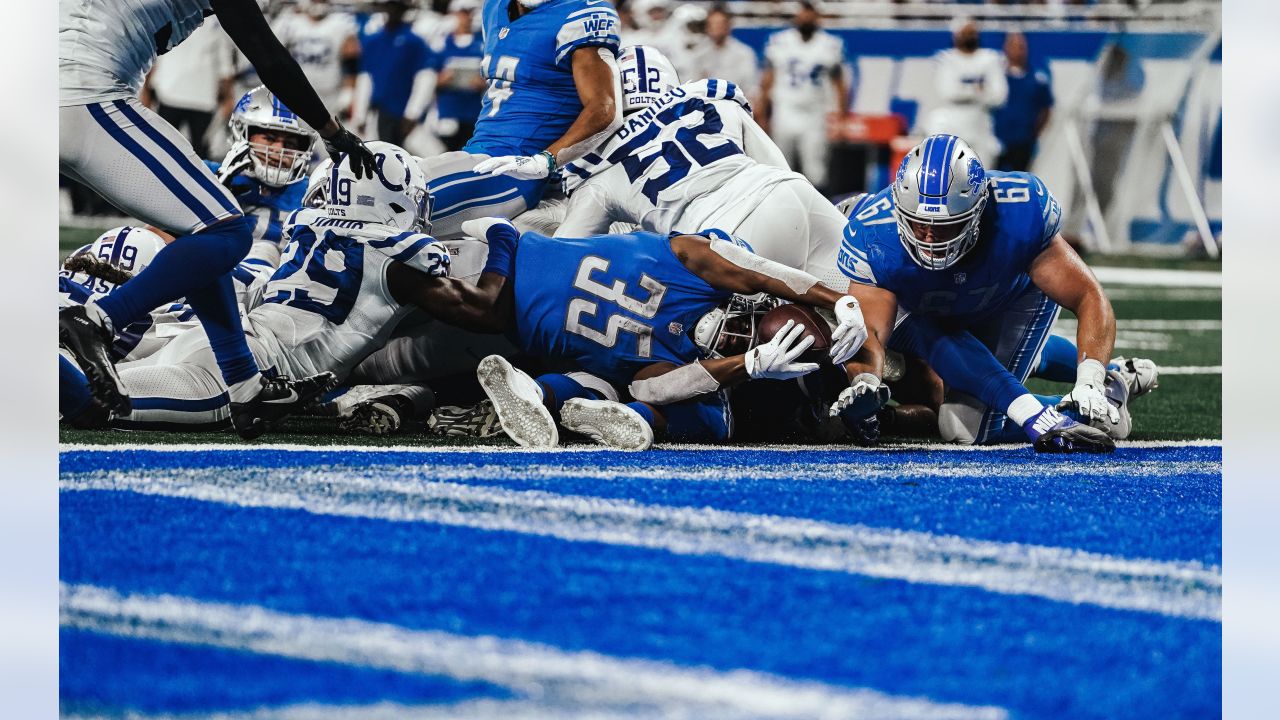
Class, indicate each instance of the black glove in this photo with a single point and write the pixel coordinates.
(344, 142)
(864, 431)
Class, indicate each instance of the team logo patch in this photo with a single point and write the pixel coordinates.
(675, 328)
(961, 278)
(976, 174)
(503, 32)
(901, 178)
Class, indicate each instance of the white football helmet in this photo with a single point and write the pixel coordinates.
(731, 328)
(317, 193)
(395, 195)
(261, 111)
(647, 75)
(126, 247)
(939, 194)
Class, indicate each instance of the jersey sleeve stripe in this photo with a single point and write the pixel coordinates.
(609, 41)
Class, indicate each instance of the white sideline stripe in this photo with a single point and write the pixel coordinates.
(484, 709)
(1164, 294)
(1190, 325)
(1177, 589)
(1192, 370)
(545, 675)
(230, 444)
(1157, 277)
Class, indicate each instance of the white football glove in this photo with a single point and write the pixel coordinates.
(523, 167)
(1089, 397)
(863, 398)
(238, 159)
(851, 332)
(775, 360)
(480, 228)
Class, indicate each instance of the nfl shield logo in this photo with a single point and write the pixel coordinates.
(960, 278)
(675, 328)
(503, 32)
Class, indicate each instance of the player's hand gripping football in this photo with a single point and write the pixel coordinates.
(850, 333)
(344, 142)
(1089, 396)
(522, 167)
(776, 359)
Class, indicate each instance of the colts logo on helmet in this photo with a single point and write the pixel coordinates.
(976, 174)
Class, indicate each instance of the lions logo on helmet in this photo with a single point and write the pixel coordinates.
(939, 194)
(395, 195)
(286, 156)
(647, 75)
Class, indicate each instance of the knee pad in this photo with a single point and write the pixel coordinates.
(960, 418)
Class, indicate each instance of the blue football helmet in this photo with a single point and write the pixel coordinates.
(939, 194)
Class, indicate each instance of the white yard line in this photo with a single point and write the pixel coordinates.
(1137, 324)
(1192, 370)
(1157, 277)
(1177, 589)
(549, 678)
(126, 446)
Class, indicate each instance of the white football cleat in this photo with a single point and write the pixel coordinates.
(1118, 394)
(609, 423)
(517, 399)
(1141, 375)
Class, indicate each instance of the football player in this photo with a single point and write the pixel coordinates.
(337, 296)
(140, 163)
(622, 311)
(691, 156)
(266, 169)
(967, 270)
(326, 46)
(552, 95)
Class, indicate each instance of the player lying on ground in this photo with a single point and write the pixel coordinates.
(337, 296)
(689, 157)
(553, 95)
(966, 269)
(619, 311)
(141, 164)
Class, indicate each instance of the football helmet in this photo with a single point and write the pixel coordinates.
(647, 75)
(258, 111)
(731, 329)
(317, 193)
(128, 248)
(395, 195)
(939, 194)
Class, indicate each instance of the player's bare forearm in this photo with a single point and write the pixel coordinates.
(1061, 273)
(879, 309)
(484, 307)
(600, 90)
(248, 29)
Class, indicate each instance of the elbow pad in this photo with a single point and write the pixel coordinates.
(684, 382)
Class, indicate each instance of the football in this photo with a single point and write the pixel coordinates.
(813, 321)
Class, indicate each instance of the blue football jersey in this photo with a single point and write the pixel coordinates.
(611, 305)
(531, 99)
(1020, 219)
(268, 207)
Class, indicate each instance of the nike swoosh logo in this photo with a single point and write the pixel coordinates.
(293, 397)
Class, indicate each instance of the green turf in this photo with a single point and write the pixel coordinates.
(1185, 407)
(72, 238)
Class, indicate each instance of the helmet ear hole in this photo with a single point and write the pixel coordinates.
(397, 207)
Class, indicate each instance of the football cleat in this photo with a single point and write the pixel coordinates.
(278, 398)
(90, 345)
(518, 401)
(1118, 394)
(384, 415)
(609, 423)
(1141, 375)
(1053, 432)
(477, 421)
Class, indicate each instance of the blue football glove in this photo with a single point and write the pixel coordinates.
(857, 407)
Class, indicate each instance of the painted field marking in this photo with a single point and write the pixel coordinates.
(550, 678)
(1192, 370)
(1164, 294)
(1158, 277)
(1155, 324)
(1176, 589)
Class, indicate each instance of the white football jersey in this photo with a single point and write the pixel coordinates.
(317, 46)
(802, 71)
(696, 152)
(105, 47)
(328, 305)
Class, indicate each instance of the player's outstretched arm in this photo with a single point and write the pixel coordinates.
(248, 29)
(1068, 281)
(484, 307)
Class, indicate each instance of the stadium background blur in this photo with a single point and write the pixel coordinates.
(1117, 105)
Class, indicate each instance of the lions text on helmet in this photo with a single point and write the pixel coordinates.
(395, 195)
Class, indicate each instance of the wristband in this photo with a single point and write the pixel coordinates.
(551, 161)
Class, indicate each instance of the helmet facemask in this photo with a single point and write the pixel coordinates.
(732, 329)
(953, 236)
(278, 165)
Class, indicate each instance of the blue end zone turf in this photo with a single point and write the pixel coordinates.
(679, 558)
